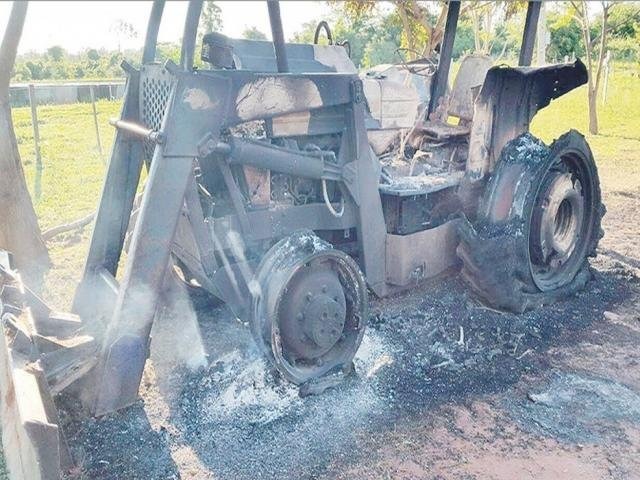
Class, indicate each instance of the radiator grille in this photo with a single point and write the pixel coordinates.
(154, 97)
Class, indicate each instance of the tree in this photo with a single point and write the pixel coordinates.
(422, 29)
(210, 19)
(566, 35)
(56, 53)
(252, 33)
(93, 55)
(124, 30)
(19, 230)
(624, 43)
(593, 45)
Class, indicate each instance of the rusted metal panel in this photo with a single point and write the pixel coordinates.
(508, 100)
(259, 185)
(312, 122)
(415, 257)
(473, 70)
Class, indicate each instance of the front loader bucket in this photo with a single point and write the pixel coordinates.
(32, 439)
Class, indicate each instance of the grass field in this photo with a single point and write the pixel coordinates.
(73, 169)
(71, 179)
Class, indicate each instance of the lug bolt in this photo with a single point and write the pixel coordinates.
(309, 296)
(300, 316)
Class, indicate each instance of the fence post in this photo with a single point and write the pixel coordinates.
(36, 140)
(95, 119)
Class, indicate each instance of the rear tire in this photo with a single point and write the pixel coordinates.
(538, 222)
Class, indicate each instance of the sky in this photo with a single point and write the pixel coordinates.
(80, 25)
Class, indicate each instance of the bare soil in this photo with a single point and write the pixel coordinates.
(445, 389)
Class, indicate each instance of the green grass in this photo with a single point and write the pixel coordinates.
(618, 118)
(617, 146)
(73, 169)
(72, 178)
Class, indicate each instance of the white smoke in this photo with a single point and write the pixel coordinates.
(176, 337)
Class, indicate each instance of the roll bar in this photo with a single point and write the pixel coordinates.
(192, 19)
(153, 27)
(440, 81)
(529, 33)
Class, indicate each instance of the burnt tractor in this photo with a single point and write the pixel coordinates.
(288, 187)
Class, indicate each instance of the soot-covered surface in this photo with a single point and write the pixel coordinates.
(233, 419)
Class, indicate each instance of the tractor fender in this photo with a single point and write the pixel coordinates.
(508, 100)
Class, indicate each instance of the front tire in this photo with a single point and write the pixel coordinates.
(310, 307)
(538, 222)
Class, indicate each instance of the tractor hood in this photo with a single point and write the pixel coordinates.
(508, 100)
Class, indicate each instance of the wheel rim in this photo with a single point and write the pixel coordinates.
(562, 221)
(310, 313)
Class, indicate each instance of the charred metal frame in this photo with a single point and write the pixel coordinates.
(441, 80)
(202, 104)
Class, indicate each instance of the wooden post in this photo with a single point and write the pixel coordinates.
(95, 119)
(36, 140)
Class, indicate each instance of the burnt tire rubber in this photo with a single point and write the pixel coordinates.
(538, 221)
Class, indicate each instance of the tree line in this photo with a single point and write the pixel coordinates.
(378, 33)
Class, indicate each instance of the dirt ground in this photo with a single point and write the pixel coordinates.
(445, 389)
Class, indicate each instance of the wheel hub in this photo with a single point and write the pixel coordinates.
(323, 320)
(312, 312)
(559, 219)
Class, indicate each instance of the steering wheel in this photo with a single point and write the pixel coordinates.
(325, 26)
(322, 26)
(427, 70)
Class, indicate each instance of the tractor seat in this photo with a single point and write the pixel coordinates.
(443, 131)
(459, 104)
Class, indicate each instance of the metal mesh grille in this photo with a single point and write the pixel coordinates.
(154, 96)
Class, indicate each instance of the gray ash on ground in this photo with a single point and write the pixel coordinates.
(422, 349)
(577, 408)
